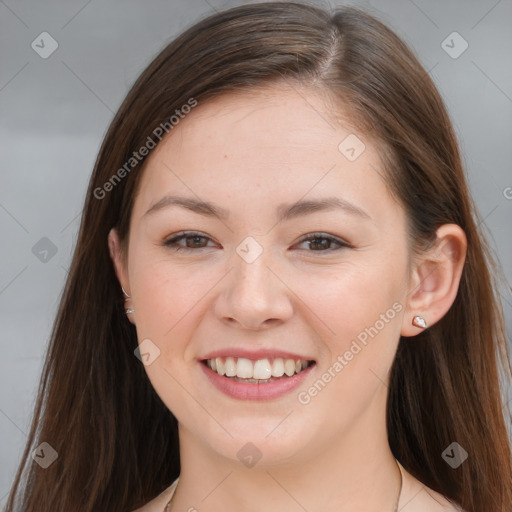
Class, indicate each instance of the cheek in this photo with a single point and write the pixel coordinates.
(168, 297)
(168, 301)
(360, 308)
(351, 298)
(361, 312)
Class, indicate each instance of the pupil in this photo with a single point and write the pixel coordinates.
(324, 244)
(195, 240)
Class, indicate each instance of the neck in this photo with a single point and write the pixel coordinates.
(358, 474)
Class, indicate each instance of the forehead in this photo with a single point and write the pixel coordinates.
(276, 143)
(272, 118)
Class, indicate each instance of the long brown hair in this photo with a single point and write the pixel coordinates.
(117, 443)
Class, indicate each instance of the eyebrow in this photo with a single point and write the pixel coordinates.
(284, 211)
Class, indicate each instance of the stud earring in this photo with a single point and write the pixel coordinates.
(419, 321)
(129, 310)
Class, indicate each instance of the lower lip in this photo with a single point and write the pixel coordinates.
(255, 391)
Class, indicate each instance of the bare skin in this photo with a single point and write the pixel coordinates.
(415, 497)
(249, 154)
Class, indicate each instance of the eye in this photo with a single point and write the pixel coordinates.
(323, 242)
(318, 242)
(196, 241)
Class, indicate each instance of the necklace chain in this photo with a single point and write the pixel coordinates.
(400, 490)
(167, 507)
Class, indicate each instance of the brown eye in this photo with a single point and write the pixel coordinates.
(192, 241)
(319, 242)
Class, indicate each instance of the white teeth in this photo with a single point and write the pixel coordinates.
(278, 368)
(230, 366)
(261, 369)
(289, 367)
(244, 368)
(221, 370)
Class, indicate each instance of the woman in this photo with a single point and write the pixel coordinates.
(279, 293)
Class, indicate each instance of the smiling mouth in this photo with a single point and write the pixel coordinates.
(261, 371)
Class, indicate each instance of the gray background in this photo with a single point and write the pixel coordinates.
(55, 111)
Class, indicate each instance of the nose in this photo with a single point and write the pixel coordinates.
(254, 297)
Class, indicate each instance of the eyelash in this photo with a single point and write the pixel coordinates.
(171, 243)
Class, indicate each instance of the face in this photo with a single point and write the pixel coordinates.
(262, 280)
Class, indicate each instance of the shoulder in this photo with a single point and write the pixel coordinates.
(420, 498)
(158, 504)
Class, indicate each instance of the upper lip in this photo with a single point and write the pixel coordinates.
(255, 354)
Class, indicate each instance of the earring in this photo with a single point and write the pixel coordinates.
(127, 310)
(419, 321)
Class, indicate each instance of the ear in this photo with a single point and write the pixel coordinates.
(119, 261)
(435, 279)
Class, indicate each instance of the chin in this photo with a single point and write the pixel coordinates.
(261, 443)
